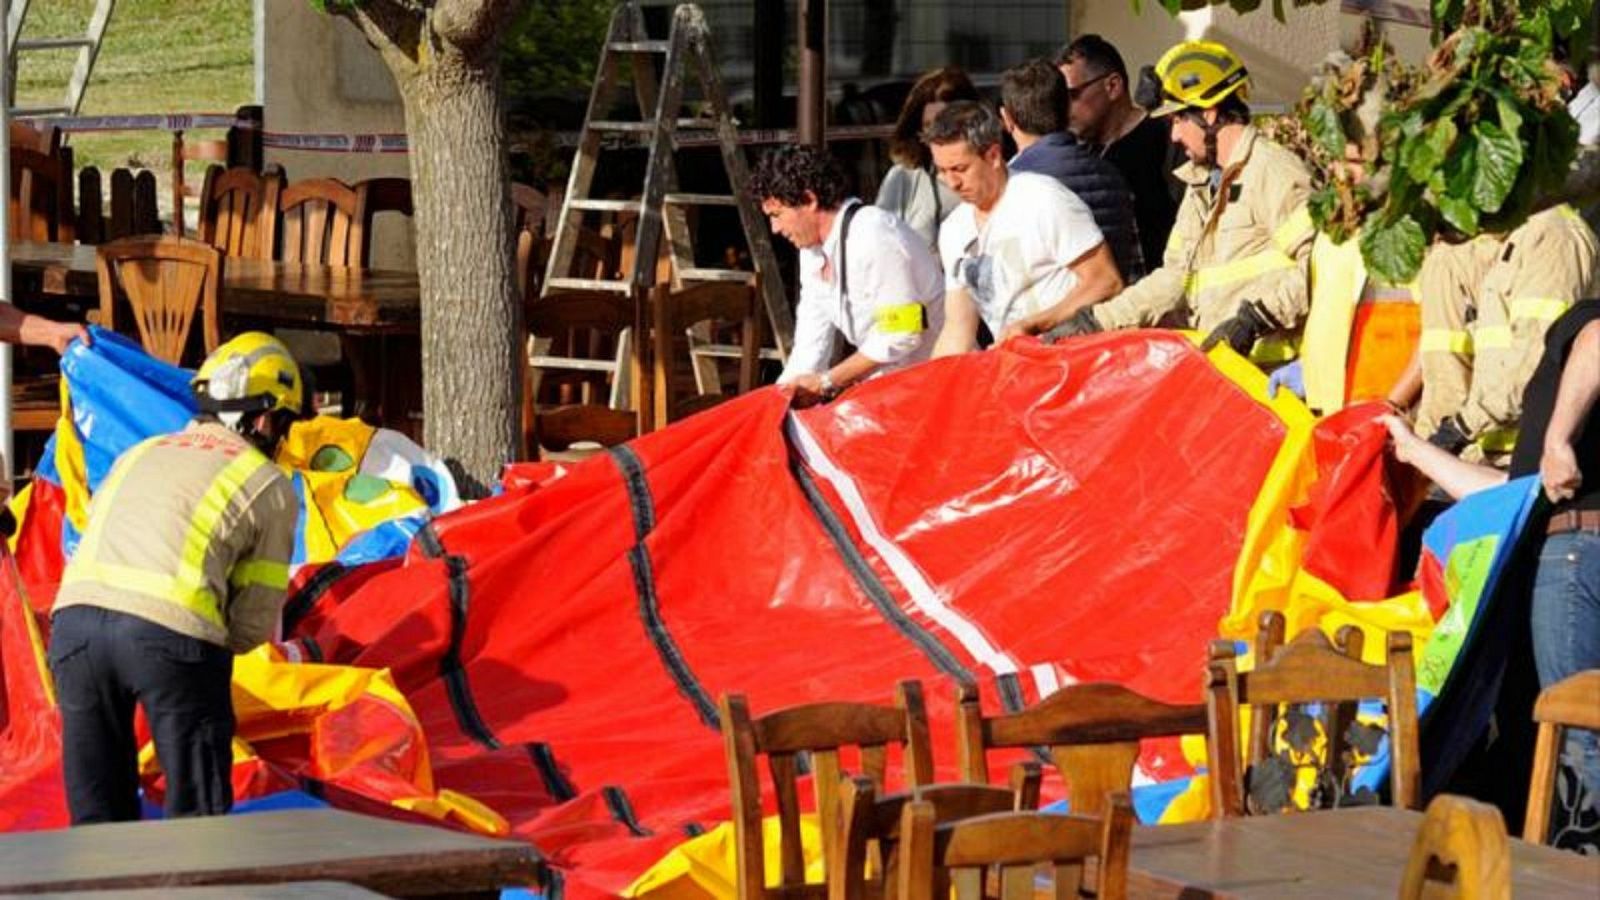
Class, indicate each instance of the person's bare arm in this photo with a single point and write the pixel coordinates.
(960, 332)
(1098, 279)
(18, 327)
(1454, 475)
(1575, 398)
(808, 388)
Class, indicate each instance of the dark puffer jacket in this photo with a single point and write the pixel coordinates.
(1100, 186)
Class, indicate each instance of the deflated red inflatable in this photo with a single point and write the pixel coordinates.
(1024, 518)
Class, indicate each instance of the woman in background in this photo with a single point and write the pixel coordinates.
(911, 189)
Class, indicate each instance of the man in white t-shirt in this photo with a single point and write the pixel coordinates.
(1585, 106)
(864, 275)
(1022, 253)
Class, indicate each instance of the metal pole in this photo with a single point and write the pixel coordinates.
(813, 100)
(768, 48)
(6, 448)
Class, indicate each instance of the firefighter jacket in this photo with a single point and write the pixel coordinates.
(192, 531)
(1248, 237)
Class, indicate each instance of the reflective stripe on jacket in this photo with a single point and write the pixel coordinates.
(192, 531)
(1340, 363)
(1257, 248)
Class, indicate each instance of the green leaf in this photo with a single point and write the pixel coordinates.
(1499, 158)
(1425, 153)
(1460, 213)
(1323, 204)
(1510, 115)
(1393, 251)
(1566, 16)
(1323, 122)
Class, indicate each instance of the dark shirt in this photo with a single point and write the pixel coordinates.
(1144, 157)
(1099, 185)
(1538, 403)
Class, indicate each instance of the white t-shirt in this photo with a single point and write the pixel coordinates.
(1019, 263)
(890, 266)
(1585, 107)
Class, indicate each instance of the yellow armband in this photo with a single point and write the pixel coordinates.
(907, 318)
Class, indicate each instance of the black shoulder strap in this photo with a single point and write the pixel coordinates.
(844, 244)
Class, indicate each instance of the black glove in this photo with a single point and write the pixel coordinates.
(1450, 436)
(1082, 322)
(1249, 323)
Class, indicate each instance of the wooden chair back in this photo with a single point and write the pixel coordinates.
(46, 140)
(531, 207)
(1307, 670)
(1091, 732)
(1461, 851)
(1011, 846)
(319, 223)
(165, 281)
(1572, 703)
(870, 826)
(41, 197)
(549, 428)
(375, 197)
(239, 211)
(818, 732)
(183, 151)
(674, 313)
(133, 205)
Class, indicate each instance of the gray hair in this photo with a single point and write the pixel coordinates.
(965, 120)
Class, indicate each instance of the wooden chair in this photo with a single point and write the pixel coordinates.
(239, 211)
(531, 207)
(41, 197)
(165, 281)
(46, 140)
(819, 730)
(319, 223)
(214, 151)
(553, 429)
(1573, 703)
(375, 197)
(674, 314)
(1461, 851)
(1307, 670)
(934, 856)
(870, 826)
(1091, 731)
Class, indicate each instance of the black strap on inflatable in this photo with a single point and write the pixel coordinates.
(428, 540)
(693, 829)
(555, 886)
(305, 599)
(455, 677)
(555, 783)
(622, 811)
(868, 581)
(1011, 698)
(312, 648)
(644, 583)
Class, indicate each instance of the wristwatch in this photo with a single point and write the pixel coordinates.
(828, 388)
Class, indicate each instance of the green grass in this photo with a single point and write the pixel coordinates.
(159, 56)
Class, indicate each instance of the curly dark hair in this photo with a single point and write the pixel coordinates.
(945, 85)
(789, 172)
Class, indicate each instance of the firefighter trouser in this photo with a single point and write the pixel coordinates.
(104, 662)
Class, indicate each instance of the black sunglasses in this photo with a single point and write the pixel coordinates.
(1074, 92)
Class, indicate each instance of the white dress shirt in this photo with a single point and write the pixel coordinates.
(1585, 107)
(889, 266)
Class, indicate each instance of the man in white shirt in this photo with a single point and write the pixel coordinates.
(1585, 107)
(864, 275)
(1022, 253)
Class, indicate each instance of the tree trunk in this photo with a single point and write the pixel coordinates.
(470, 309)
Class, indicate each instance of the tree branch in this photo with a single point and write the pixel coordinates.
(470, 25)
(393, 27)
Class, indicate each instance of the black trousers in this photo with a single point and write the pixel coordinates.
(103, 663)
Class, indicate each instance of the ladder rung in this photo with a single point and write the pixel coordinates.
(732, 351)
(638, 46)
(733, 275)
(588, 284)
(57, 43)
(604, 205)
(25, 112)
(701, 199)
(647, 127)
(573, 363)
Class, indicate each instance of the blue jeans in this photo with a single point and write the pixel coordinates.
(1566, 632)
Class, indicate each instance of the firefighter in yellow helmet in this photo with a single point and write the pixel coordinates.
(1235, 264)
(183, 563)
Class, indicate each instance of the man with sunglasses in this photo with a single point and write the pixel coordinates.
(1235, 266)
(1101, 112)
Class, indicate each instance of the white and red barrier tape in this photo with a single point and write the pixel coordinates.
(391, 142)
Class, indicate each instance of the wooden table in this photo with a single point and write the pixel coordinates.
(1350, 853)
(288, 294)
(392, 858)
